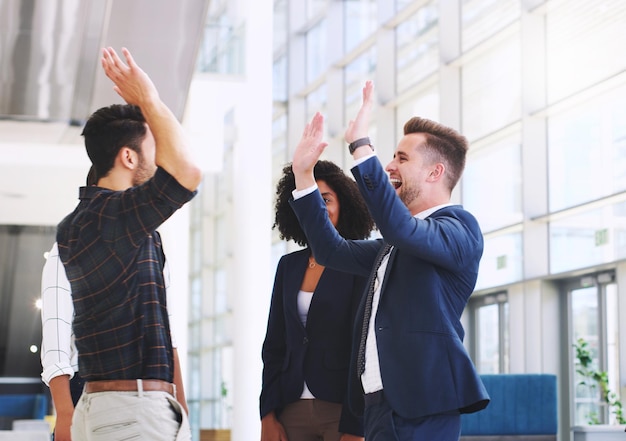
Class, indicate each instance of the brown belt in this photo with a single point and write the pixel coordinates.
(130, 386)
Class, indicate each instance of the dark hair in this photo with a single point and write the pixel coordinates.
(443, 143)
(355, 221)
(92, 179)
(109, 129)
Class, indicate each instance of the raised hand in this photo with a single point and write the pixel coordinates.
(359, 127)
(131, 82)
(308, 152)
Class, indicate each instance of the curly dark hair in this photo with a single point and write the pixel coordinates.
(355, 221)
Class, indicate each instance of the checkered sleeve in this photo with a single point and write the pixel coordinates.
(58, 353)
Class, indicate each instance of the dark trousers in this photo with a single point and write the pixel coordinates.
(383, 424)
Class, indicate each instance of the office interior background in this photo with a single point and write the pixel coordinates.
(537, 86)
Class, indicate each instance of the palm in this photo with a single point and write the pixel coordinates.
(310, 147)
(131, 82)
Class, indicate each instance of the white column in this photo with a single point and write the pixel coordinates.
(534, 144)
(252, 202)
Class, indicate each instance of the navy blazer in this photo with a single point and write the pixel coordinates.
(430, 276)
(319, 353)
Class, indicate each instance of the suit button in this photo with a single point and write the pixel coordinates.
(305, 341)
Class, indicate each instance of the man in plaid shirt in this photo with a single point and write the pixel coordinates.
(114, 261)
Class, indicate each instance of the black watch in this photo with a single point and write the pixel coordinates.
(358, 143)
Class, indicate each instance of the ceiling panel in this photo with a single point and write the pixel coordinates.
(51, 80)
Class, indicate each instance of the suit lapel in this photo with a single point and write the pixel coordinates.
(293, 282)
(392, 257)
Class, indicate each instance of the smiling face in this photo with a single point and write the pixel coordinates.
(411, 170)
(331, 200)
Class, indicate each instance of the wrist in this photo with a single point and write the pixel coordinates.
(271, 416)
(359, 143)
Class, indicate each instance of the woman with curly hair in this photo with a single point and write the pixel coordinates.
(306, 351)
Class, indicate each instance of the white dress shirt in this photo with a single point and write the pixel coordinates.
(58, 351)
(304, 303)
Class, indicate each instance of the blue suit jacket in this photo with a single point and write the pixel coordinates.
(319, 353)
(430, 276)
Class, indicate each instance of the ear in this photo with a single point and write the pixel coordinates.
(437, 172)
(128, 158)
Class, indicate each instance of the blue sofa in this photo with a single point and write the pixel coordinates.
(522, 407)
(22, 406)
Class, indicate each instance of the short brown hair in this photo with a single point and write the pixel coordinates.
(445, 144)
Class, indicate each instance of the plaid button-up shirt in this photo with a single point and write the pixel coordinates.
(114, 261)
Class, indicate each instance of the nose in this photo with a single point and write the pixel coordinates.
(390, 167)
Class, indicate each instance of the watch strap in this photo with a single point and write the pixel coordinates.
(358, 143)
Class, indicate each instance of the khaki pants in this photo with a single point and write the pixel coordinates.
(145, 415)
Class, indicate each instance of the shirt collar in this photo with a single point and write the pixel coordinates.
(90, 192)
(424, 214)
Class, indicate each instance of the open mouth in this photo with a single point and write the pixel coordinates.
(397, 183)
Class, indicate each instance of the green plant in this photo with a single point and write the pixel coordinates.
(593, 378)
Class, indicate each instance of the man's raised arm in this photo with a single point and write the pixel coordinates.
(136, 87)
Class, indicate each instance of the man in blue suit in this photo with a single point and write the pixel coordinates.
(411, 376)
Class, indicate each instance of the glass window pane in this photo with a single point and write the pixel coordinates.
(280, 23)
(587, 151)
(491, 89)
(584, 312)
(424, 104)
(315, 7)
(491, 339)
(279, 80)
(483, 18)
(584, 44)
(360, 21)
(505, 344)
(401, 4)
(316, 101)
(279, 147)
(221, 49)
(501, 262)
(488, 341)
(417, 46)
(612, 340)
(494, 170)
(316, 59)
(590, 238)
(355, 75)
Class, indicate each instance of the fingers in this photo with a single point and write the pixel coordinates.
(315, 128)
(113, 66)
(317, 125)
(110, 57)
(129, 58)
(368, 90)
